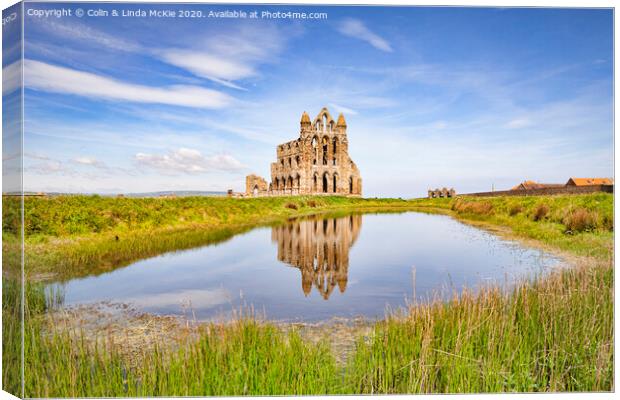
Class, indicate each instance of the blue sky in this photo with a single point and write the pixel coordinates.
(458, 97)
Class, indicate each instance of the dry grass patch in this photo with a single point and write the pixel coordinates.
(581, 220)
(540, 212)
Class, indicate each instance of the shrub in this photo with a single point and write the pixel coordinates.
(292, 206)
(472, 207)
(541, 212)
(312, 203)
(456, 205)
(516, 209)
(580, 220)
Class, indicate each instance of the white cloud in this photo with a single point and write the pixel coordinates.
(189, 161)
(518, 123)
(342, 109)
(69, 81)
(49, 168)
(89, 161)
(226, 58)
(209, 66)
(356, 29)
(223, 57)
(11, 77)
(36, 156)
(78, 31)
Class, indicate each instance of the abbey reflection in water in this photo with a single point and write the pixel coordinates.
(320, 249)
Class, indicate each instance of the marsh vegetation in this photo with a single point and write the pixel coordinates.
(552, 334)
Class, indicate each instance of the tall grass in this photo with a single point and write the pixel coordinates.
(245, 357)
(11, 336)
(554, 335)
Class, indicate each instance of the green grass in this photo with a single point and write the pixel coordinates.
(553, 334)
(11, 336)
(66, 216)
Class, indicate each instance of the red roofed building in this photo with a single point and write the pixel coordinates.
(528, 185)
(589, 181)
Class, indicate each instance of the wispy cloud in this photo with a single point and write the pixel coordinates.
(49, 167)
(222, 58)
(70, 81)
(81, 32)
(37, 164)
(217, 69)
(518, 123)
(342, 109)
(188, 161)
(356, 29)
(90, 161)
(226, 58)
(11, 77)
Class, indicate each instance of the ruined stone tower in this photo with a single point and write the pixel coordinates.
(317, 162)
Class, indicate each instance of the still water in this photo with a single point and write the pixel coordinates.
(318, 268)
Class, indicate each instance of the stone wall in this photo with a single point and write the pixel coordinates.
(444, 192)
(256, 186)
(547, 191)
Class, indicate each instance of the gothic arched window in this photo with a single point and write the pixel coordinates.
(315, 143)
(325, 144)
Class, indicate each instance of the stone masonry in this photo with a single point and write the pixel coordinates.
(317, 162)
(254, 185)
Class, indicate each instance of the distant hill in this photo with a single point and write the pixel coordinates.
(177, 193)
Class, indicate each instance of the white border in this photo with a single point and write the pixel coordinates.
(477, 3)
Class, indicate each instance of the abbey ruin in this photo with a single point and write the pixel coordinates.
(317, 162)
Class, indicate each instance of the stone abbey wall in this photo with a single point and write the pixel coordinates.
(317, 162)
(255, 185)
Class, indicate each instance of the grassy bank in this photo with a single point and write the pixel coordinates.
(580, 224)
(554, 334)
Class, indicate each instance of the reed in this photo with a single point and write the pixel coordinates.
(553, 335)
(243, 357)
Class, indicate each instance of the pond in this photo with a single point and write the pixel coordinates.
(317, 268)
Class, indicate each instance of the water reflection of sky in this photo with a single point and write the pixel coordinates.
(383, 251)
